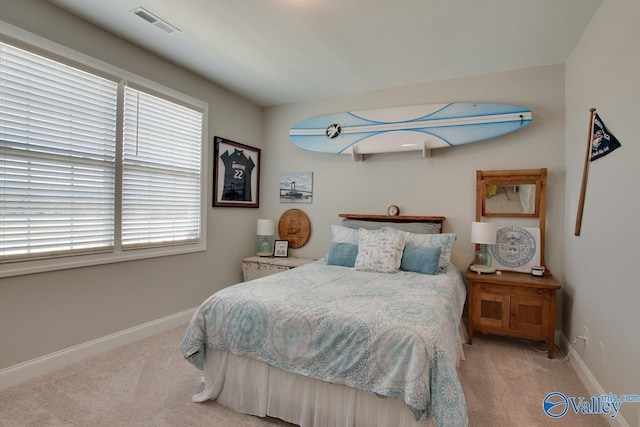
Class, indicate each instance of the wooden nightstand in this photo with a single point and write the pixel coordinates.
(514, 304)
(257, 266)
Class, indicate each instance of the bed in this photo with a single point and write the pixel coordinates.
(365, 339)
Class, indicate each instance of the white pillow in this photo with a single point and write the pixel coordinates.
(340, 234)
(412, 227)
(442, 240)
(378, 251)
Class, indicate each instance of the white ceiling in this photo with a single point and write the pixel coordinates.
(281, 51)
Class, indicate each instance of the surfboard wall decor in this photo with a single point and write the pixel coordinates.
(407, 128)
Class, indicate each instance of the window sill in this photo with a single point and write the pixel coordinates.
(63, 263)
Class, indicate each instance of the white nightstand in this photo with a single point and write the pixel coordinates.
(257, 266)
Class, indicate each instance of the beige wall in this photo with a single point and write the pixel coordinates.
(602, 284)
(43, 313)
(441, 185)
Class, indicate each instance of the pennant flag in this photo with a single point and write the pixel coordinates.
(602, 142)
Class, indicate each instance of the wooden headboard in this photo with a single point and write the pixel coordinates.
(397, 218)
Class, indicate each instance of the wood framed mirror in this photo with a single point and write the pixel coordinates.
(518, 193)
(511, 193)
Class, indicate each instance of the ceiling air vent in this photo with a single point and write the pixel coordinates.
(154, 20)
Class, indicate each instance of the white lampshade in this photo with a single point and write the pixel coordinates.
(265, 227)
(483, 233)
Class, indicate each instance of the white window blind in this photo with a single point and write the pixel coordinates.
(57, 157)
(161, 176)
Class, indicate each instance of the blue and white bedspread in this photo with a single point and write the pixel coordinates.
(394, 335)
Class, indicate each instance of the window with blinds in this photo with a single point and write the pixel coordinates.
(61, 174)
(161, 171)
(57, 157)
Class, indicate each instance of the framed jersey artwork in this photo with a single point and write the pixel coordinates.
(236, 174)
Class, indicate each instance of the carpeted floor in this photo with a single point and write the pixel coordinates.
(148, 383)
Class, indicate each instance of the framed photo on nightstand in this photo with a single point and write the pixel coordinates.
(281, 249)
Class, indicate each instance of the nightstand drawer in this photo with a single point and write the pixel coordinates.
(256, 267)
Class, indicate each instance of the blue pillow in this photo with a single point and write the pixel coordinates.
(421, 259)
(343, 254)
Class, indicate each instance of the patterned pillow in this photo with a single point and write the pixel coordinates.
(378, 251)
(442, 240)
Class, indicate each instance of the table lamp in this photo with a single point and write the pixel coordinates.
(483, 233)
(265, 237)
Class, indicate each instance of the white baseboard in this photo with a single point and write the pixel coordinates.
(587, 378)
(25, 371)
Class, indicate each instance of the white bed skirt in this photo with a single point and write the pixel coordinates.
(252, 387)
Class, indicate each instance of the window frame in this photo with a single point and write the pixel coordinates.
(41, 46)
